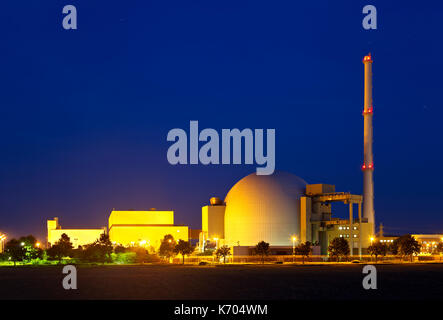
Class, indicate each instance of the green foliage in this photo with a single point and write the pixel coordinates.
(14, 250)
(119, 249)
(407, 245)
(61, 249)
(184, 248)
(338, 248)
(304, 250)
(262, 249)
(124, 258)
(167, 247)
(99, 251)
(23, 249)
(378, 249)
(223, 251)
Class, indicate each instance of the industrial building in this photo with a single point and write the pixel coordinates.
(126, 228)
(145, 227)
(78, 237)
(283, 210)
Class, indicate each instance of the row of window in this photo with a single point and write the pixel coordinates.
(346, 228)
(347, 236)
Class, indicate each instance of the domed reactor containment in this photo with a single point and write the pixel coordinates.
(270, 205)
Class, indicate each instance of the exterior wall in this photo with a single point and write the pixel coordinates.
(78, 237)
(305, 219)
(343, 230)
(319, 188)
(141, 218)
(131, 235)
(213, 221)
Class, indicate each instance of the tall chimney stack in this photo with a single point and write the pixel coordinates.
(368, 163)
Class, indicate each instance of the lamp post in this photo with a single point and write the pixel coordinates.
(294, 238)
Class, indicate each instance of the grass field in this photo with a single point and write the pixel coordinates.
(409, 281)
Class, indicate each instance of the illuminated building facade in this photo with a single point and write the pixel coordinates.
(428, 242)
(78, 237)
(144, 227)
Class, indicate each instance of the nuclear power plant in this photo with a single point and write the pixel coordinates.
(281, 209)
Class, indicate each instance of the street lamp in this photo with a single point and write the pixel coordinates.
(216, 243)
(372, 239)
(294, 238)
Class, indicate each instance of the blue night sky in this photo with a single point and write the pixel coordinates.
(85, 113)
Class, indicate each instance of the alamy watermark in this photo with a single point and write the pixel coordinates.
(252, 142)
(70, 280)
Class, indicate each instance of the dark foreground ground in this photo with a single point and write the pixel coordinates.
(419, 281)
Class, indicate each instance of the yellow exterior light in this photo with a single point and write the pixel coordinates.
(169, 240)
(38, 244)
(143, 242)
(22, 244)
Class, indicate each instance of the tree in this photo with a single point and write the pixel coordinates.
(167, 246)
(223, 251)
(119, 249)
(15, 250)
(378, 249)
(62, 248)
(262, 249)
(304, 250)
(30, 247)
(104, 248)
(407, 245)
(338, 247)
(184, 248)
(393, 247)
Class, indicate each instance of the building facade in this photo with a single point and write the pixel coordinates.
(129, 228)
(78, 237)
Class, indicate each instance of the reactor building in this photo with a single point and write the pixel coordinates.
(283, 210)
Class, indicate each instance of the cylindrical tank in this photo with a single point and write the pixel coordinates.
(215, 201)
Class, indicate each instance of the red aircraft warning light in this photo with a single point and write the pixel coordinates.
(367, 58)
(369, 111)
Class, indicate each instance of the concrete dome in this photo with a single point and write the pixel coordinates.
(264, 208)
